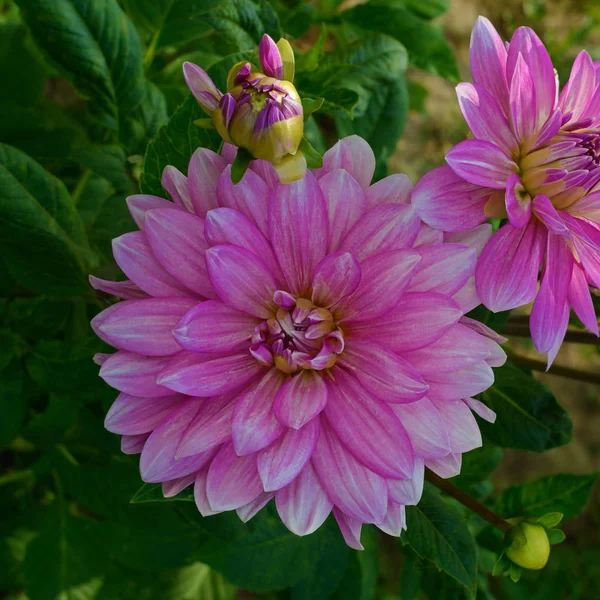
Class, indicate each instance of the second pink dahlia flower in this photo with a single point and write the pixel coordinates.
(301, 342)
(535, 160)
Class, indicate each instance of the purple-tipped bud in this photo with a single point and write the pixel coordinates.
(202, 86)
(227, 106)
(242, 74)
(270, 58)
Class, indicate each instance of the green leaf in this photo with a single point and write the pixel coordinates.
(563, 493)
(313, 159)
(96, 46)
(556, 536)
(13, 402)
(240, 165)
(39, 317)
(550, 520)
(427, 10)
(311, 105)
(437, 533)
(108, 161)
(427, 47)
(477, 466)
(152, 492)
(528, 415)
(41, 235)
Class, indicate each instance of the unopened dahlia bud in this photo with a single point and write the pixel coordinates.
(529, 545)
(261, 110)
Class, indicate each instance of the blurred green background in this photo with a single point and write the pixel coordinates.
(85, 85)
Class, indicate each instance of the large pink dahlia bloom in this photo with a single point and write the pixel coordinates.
(534, 159)
(303, 342)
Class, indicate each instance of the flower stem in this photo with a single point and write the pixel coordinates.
(461, 496)
(81, 185)
(518, 329)
(568, 372)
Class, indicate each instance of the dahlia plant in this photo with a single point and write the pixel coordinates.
(304, 342)
(533, 160)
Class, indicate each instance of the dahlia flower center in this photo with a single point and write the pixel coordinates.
(300, 335)
(261, 92)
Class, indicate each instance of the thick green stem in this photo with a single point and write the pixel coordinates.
(461, 496)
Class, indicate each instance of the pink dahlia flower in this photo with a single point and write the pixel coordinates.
(534, 159)
(303, 342)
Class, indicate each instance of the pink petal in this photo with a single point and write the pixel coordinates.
(462, 428)
(579, 90)
(548, 215)
(204, 171)
(428, 236)
(228, 226)
(446, 467)
(140, 204)
(586, 240)
(210, 427)
(350, 529)
(136, 260)
(303, 504)
(481, 163)
(255, 425)
(135, 374)
(171, 488)
(250, 197)
(477, 237)
(209, 375)
(301, 399)
(266, 171)
(158, 462)
(523, 105)
(142, 326)
(446, 201)
(246, 512)
(587, 207)
(201, 86)
(382, 229)
(130, 415)
(562, 326)
(460, 384)
(488, 60)
(518, 202)
(425, 429)
(394, 189)
(232, 480)
(354, 489)
(549, 305)
(299, 230)
(176, 183)
(408, 491)
(381, 371)
(133, 444)
(270, 57)
(395, 519)
(214, 327)
(481, 410)
(242, 280)
(483, 330)
(416, 321)
(200, 496)
(346, 204)
(284, 459)
(368, 428)
(443, 269)
(581, 300)
(353, 154)
(384, 279)
(177, 241)
(485, 117)
(507, 270)
(335, 277)
(121, 289)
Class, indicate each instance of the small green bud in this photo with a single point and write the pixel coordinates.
(528, 545)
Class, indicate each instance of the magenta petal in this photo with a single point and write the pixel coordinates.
(488, 60)
(443, 268)
(395, 519)
(350, 528)
(200, 496)
(368, 428)
(382, 229)
(246, 512)
(254, 424)
(171, 488)
(130, 415)
(284, 459)
(335, 277)
(177, 241)
(586, 240)
(462, 428)
(481, 410)
(518, 202)
(208, 375)
(250, 197)
(301, 399)
(548, 215)
(581, 299)
(136, 259)
(587, 207)
(353, 154)
(228, 226)
(157, 462)
(212, 326)
(394, 189)
(201, 86)
(408, 491)
(579, 90)
(299, 230)
(270, 57)
(523, 105)
(121, 289)
(428, 236)
(242, 280)
(345, 202)
(210, 427)
(446, 467)
(482, 163)
(142, 326)
(425, 428)
(384, 279)
(381, 371)
(266, 171)
(135, 374)
(485, 117)
(204, 171)
(477, 237)
(232, 480)
(176, 183)
(507, 270)
(549, 305)
(460, 384)
(446, 201)
(133, 444)
(303, 504)
(140, 204)
(356, 490)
